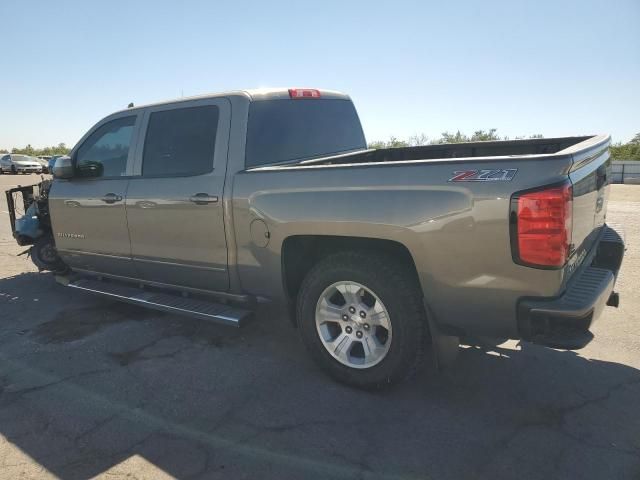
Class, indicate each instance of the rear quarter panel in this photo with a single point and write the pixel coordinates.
(456, 232)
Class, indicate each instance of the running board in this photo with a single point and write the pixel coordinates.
(166, 302)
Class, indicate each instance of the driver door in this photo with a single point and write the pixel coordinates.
(88, 214)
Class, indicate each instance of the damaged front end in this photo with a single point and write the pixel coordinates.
(34, 227)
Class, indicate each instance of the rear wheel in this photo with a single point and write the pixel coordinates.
(361, 318)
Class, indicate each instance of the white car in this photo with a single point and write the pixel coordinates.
(15, 163)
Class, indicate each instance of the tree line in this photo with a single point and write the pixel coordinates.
(627, 151)
(60, 149)
(619, 151)
(445, 137)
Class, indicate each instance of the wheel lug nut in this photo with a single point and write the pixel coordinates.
(348, 329)
(366, 326)
(352, 310)
(359, 334)
(345, 317)
(362, 314)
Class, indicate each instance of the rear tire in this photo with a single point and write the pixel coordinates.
(357, 346)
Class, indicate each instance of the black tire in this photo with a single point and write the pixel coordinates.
(396, 287)
(45, 256)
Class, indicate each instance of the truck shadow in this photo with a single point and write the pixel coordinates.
(89, 386)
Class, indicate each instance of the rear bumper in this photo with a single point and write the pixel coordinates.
(564, 321)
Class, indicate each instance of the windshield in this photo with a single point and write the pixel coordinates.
(286, 130)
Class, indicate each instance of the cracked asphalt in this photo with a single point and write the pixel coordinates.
(92, 388)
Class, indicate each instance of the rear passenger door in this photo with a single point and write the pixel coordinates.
(174, 202)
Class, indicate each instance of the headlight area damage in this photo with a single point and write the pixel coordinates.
(34, 227)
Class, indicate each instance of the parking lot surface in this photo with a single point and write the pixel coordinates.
(93, 388)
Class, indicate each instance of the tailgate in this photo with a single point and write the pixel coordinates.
(590, 175)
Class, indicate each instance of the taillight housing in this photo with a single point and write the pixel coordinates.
(541, 225)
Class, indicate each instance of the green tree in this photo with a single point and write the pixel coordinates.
(393, 142)
(448, 137)
(485, 136)
(626, 151)
(60, 149)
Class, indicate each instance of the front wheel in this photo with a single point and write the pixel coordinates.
(361, 318)
(45, 256)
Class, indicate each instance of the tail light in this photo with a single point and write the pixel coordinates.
(541, 224)
(303, 93)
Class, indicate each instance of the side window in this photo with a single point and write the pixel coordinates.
(105, 152)
(180, 141)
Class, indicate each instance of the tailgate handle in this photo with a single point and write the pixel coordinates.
(203, 198)
(111, 198)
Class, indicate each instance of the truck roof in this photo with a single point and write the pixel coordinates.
(253, 94)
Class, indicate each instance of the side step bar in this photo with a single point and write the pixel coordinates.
(166, 302)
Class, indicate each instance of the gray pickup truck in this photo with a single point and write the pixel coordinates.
(206, 206)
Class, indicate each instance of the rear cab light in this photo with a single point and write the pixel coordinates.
(541, 222)
(298, 93)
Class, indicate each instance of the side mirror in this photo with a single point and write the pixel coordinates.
(63, 168)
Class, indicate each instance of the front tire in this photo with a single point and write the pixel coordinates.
(361, 318)
(45, 256)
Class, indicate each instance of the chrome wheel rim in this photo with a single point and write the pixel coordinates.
(353, 324)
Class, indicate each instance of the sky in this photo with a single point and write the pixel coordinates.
(551, 67)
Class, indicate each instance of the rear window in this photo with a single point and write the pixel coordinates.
(285, 130)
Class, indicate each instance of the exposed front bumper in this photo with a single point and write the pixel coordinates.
(564, 321)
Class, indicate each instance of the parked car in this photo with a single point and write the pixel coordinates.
(15, 163)
(216, 203)
(44, 162)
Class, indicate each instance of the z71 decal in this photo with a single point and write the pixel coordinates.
(496, 175)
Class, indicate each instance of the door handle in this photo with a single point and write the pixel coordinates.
(111, 198)
(203, 198)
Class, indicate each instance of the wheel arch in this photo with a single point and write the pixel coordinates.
(301, 252)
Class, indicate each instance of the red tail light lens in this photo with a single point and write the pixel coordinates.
(543, 226)
(304, 93)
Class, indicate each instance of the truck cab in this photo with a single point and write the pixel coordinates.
(147, 200)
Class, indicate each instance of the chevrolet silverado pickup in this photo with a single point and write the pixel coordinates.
(208, 205)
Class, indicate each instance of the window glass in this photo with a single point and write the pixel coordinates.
(283, 130)
(105, 152)
(180, 141)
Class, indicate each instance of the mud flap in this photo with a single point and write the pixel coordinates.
(444, 348)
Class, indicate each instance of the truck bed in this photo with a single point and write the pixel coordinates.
(538, 146)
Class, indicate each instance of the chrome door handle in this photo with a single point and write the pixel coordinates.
(111, 198)
(203, 198)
